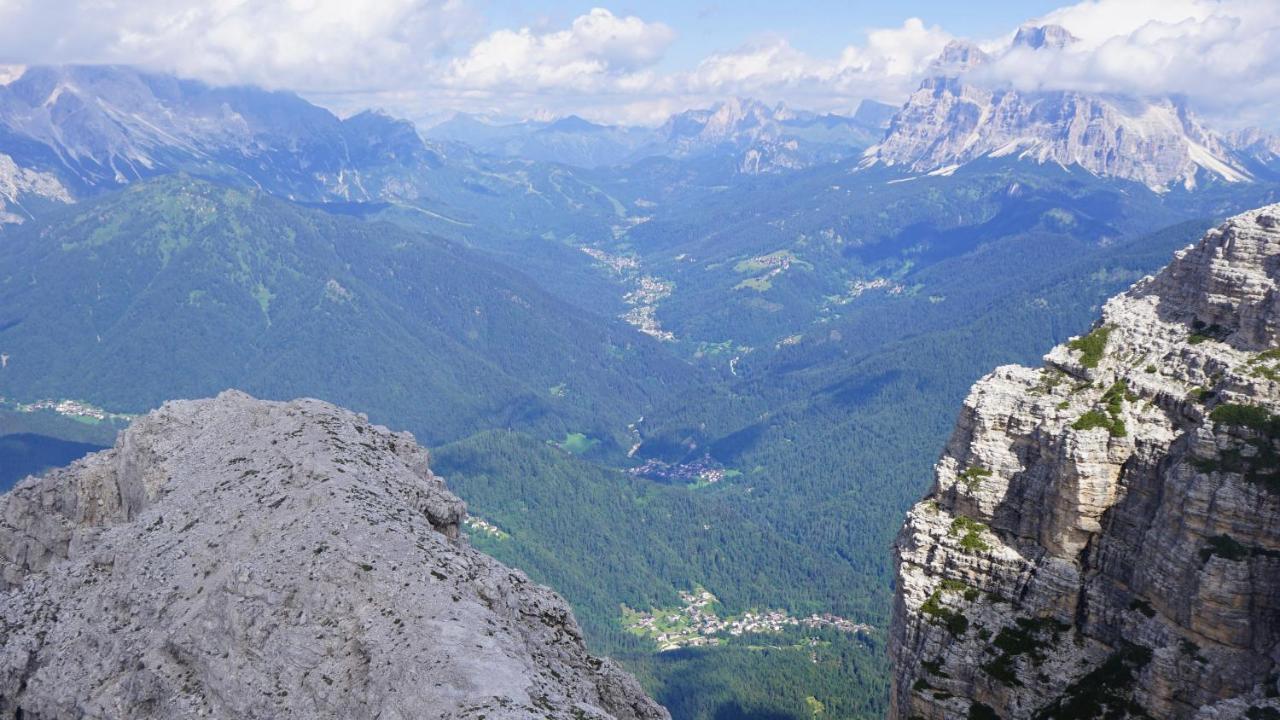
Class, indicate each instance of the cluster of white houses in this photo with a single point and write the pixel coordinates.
(696, 624)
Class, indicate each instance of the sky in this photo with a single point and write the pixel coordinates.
(638, 62)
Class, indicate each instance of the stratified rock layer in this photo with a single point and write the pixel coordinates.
(1103, 535)
(246, 559)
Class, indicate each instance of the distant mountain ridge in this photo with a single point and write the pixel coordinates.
(759, 138)
(954, 119)
(67, 132)
(766, 138)
(105, 126)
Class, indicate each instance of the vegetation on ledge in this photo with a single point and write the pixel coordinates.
(972, 477)
(1092, 346)
(971, 531)
(1110, 416)
(1105, 692)
(1201, 332)
(1261, 462)
(955, 622)
(1029, 637)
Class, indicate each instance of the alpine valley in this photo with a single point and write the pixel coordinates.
(690, 376)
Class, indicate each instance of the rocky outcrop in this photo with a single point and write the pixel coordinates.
(1103, 534)
(17, 183)
(246, 559)
(965, 111)
(1256, 146)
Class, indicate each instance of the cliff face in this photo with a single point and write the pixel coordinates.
(239, 558)
(1103, 535)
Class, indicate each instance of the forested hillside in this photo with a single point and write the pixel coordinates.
(178, 287)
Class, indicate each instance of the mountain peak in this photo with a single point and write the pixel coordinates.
(874, 114)
(958, 56)
(10, 73)
(1229, 281)
(721, 121)
(952, 120)
(1043, 36)
(574, 123)
(735, 109)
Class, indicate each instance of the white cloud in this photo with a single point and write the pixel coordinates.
(422, 58)
(300, 44)
(603, 67)
(1096, 21)
(897, 52)
(888, 66)
(598, 50)
(1222, 56)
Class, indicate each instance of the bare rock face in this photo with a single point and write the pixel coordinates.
(246, 559)
(1256, 146)
(1103, 534)
(959, 115)
(18, 182)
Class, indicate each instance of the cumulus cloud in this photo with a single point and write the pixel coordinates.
(301, 44)
(598, 49)
(887, 67)
(1221, 56)
(425, 58)
(897, 52)
(603, 66)
(1097, 21)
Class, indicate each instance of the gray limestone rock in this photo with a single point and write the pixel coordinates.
(246, 559)
(1103, 535)
(959, 115)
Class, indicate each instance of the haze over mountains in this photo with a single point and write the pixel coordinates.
(761, 138)
(71, 130)
(957, 116)
(716, 355)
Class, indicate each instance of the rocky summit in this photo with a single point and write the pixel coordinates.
(1103, 534)
(239, 558)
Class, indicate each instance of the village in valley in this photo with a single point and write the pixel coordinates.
(644, 298)
(697, 474)
(697, 624)
(479, 526)
(74, 409)
(645, 293)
